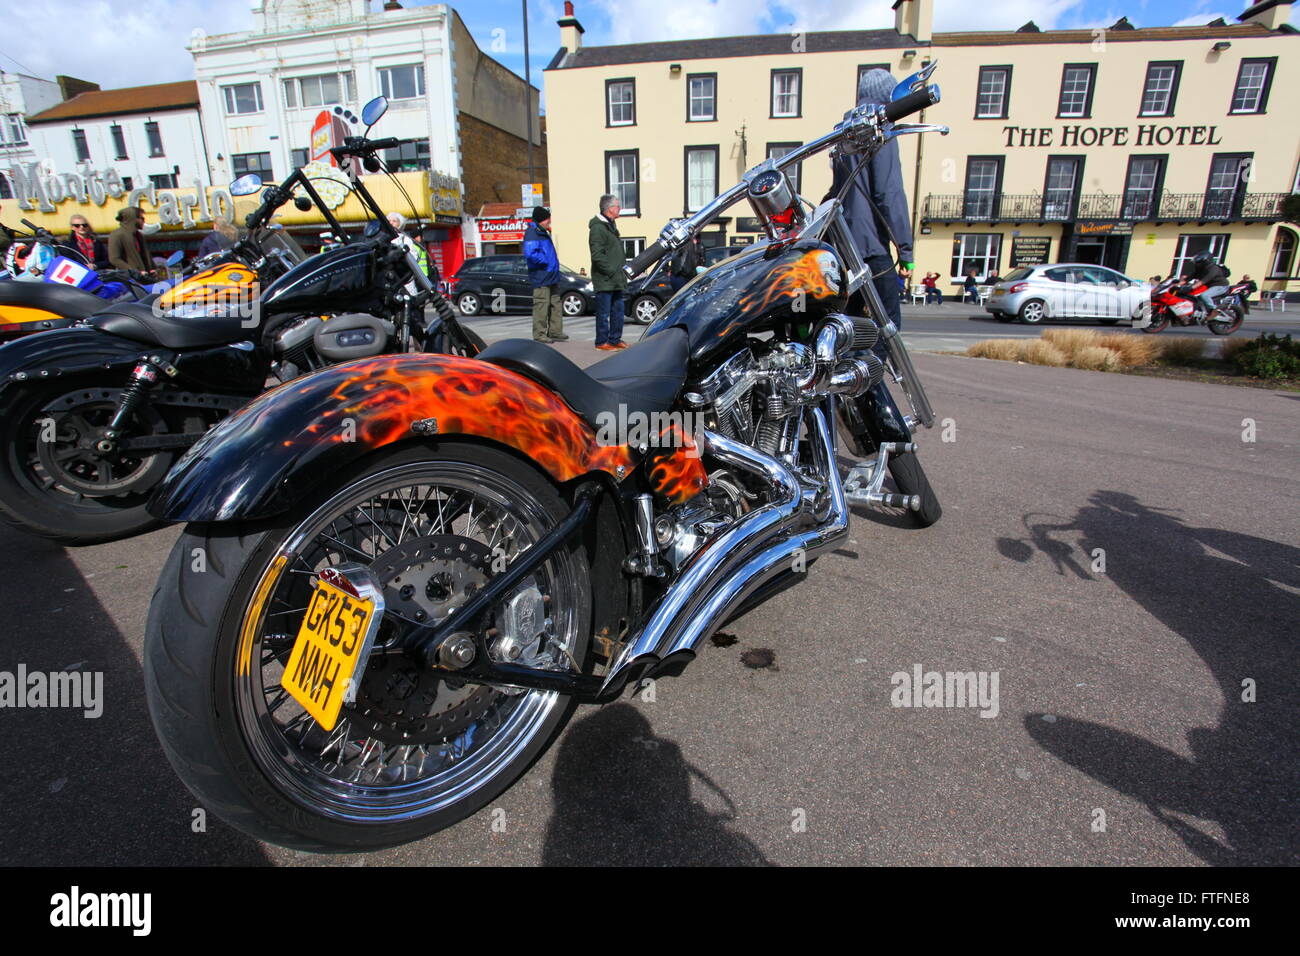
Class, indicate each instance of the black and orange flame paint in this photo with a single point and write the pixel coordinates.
(386, 395)
(675, 471)
(789, 280)
(230, 282)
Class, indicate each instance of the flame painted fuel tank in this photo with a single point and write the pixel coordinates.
(755, 291)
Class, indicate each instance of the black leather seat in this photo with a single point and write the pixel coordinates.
(644, 378)
(137, 322)
(64, 300)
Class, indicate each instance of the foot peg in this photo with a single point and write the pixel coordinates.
(865, 479)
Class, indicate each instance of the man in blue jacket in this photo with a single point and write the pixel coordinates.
(875, 205)
(544, 276)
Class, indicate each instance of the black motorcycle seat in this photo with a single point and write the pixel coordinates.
(64, 300)
(137, 322)
(644, 378)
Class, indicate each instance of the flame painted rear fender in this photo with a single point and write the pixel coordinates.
(278, 449)
(61, 352)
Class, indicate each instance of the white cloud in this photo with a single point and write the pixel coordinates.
(124, 42)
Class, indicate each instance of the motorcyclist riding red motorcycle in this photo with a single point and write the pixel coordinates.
(1206, 269)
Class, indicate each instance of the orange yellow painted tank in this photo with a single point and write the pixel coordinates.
(224, 283)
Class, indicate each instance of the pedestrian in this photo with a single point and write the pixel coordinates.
(1248, 288)
(685, 264)
(544, 277)
(398, 222)
(88, 245)
(127, 249)
(607, 277)
(971, 286)
(222, 236)
(875, 203)
(992, 278)
(932, 291)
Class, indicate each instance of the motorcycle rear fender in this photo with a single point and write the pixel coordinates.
(62, 352)
(275, 451)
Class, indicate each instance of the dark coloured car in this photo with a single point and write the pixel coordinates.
(499, 285)
(645, 295)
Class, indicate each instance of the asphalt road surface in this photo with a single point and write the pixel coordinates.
(1112, 548)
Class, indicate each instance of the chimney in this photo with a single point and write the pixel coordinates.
(1271, 14)
(914, 18)
(570, 29)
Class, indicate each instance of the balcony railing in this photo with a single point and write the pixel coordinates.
(1132, 207)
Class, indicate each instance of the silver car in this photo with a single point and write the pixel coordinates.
(1068, 290)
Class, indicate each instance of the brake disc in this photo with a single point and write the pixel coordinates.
(402, 702)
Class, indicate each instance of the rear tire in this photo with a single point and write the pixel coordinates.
(909, 477)
(1227, 328)
(53, 512)
(644, 309)
(199, 701)
(468, 303)
(1033, 312)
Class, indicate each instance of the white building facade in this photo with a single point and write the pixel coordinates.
(20, 97)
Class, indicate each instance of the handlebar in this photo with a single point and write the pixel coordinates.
(649, 255)
(912, 103)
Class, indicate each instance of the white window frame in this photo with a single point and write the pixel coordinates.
(293, 90)
(633, 246)
(386, 84)
(230, 99)
(1083, 93)
(970, 254)
(711, 99)
(1158, 86)
(1002, 92)
(616, 185)
(622, 103)
(700, 191)
(792, 91)
(1242, 87)
(1218, 247)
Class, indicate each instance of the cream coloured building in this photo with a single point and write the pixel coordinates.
(1130, 148)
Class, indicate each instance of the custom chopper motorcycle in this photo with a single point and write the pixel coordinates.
(401, 575)
(93, 416)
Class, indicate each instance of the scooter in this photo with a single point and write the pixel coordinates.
(1174, 301)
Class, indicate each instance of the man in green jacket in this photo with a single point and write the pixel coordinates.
(607, 276)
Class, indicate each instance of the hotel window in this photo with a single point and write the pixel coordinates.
(409, 157)
(1060, 190)
(776, 151)
(994, 92)
(701, 97)
(701, 176)
(119, 141)
(163, 181)
(1226, 185)
(1161, 88)
(1283, 258)
(154, 135)
(863, 70)
(975, 250)
(80, 145)
(1253, 81)
(241, 164)
(1142, 186)
(621, 179)
(787, 93)
(1077, 81)
(13, 133)
(620, 102)
(402, 82)
(983, 180)
(324, 89)
(243, 98)
(1190, 246)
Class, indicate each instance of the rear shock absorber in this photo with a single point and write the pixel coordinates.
(143, 377)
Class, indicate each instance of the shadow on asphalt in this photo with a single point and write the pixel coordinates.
(88, 791)
(1233, 598)
(623, 797)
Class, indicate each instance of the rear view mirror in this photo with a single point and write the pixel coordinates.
(302, 203)
(246, 185)
(374, 110)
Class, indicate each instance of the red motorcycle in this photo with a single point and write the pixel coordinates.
(1179, 303)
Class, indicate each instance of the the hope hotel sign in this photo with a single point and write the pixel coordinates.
(1146, 134)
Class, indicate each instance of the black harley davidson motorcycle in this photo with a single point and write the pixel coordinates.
(414, 567)
(93, 416)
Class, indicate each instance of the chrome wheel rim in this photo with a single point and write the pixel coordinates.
(354, 773)
(572, 305)
(468, 304)
(646, 309)
(1032, 312)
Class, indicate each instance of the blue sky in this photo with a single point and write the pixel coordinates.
(131, 42)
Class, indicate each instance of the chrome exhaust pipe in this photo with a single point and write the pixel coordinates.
(748, 554)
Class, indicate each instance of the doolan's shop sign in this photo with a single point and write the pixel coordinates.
(35, 190)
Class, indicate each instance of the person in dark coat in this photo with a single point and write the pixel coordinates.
(875, 205)
(87, 245)
(544, 277)
(1206, 268)
(607, 277)
(222, 236)
(127, 249)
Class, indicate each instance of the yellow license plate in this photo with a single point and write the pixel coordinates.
(999, 291)
(325, 656)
